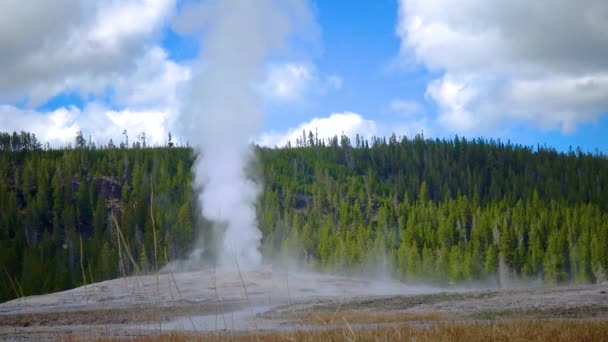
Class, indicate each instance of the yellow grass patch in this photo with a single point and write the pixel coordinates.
(329, 318)
(511, 330)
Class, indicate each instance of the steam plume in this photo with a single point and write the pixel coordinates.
(221, 115)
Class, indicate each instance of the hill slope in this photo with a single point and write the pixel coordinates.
(425, 209)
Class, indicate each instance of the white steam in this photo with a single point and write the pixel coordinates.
(221, 115)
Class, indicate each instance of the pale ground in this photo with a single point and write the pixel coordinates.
(268, 300)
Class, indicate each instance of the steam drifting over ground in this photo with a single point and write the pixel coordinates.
(266, 299)
(221, 114)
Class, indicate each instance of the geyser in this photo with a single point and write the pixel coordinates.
(221, 114)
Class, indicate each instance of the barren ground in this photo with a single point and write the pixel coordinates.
(209, 301)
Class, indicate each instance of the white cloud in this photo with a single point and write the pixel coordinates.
(288, 81)
(117, 21)
(347, 123)
(453, 98)
(295, 81)
(59, 127)
(510, 60)
(84, 51)
(97, 45)
(154, 82)
(147, 95)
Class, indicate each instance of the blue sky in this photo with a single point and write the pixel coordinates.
(368, 67)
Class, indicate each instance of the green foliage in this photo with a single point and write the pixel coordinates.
(438, 210)
(420, 209)
(48, 198)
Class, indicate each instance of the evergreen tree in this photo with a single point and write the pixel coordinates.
(434, 210)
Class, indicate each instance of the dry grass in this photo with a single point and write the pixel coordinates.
(512, 330)
(361, 317)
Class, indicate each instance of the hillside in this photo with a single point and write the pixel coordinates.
(433, 210)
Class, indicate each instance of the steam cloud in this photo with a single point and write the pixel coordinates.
(221, 114)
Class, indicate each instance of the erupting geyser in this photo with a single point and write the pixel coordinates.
(221, 115)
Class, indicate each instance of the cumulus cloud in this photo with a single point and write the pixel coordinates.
(93, 42)
(147, 98)
(59, 127)
(154, 82)
(453, 98)
(510, 60)
(294, 81)
(98, 45)
(347, 123)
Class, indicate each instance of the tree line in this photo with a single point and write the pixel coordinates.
(424, 209)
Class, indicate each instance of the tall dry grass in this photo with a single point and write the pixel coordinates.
(160, 327)
(515, 330)
(360, 317)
